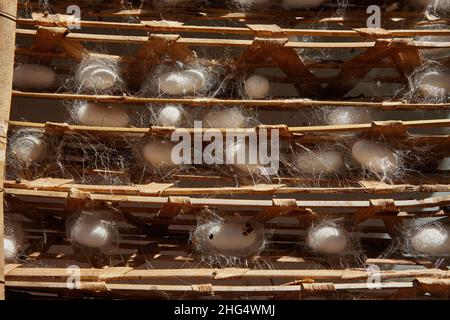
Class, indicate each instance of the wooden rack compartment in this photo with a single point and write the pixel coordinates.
(155, 258)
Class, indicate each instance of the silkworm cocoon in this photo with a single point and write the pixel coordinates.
(237, 150)
(225, 118)
(97, 77)
(102, 115)
(91, 232)
(13, 240)
(33, 77)
(431, 240)
(434, 83)
(10, 248)
(170, 116)
(231, 236)
(327, 239)
(319, 162)
(257, 86)
(181, 82)
(29, 148)
(301, 4)
(158, 152)
(343, 116)
(375, 156)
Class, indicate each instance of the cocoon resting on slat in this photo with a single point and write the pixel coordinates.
(33, 77)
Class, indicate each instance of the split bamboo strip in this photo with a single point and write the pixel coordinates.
(92, 274)
(8, 10)
(107, 38)
(63, 185)
(178, 27)
(211, 102)
(231, 203)
(212, 289)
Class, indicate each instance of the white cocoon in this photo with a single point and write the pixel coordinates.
(231, 236)
(225, 118)
(33, 77)
(170, 116)
(181, 82)
(29, 148)
(158, 152)
(235, 156)
(10, 248)
(257, 86)
(97, 77)
(301, 4)
(343, 116)
(91, 232)
(374, 156)
(102, 115)
(327, 240)
(316, 162)
(431, 240)
(434, 83)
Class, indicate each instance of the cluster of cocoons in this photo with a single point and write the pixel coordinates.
(257, 86)
(91, 232)
(228, 237)
(327, 239)
(29, 147)
(34, 77)
(101, 115)
(431, 240)
(182, 82)
(375, 157)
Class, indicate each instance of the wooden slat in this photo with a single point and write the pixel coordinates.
(210, 102)
(8, 10)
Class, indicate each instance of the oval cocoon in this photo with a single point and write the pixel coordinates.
(374, 156)
(10, 248)
(434, 83)
(343, 116)
(238, 156)
(327, 240)
(33, 77)
(29, 148)
(181, 82)
(158, 152)
(102, 115)
(257, 86)
(316, 162)
(301, 4)
(91, 232)
(170, 116)
(231, 236)
(226, 118)
(431, 240)
(97, 77)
